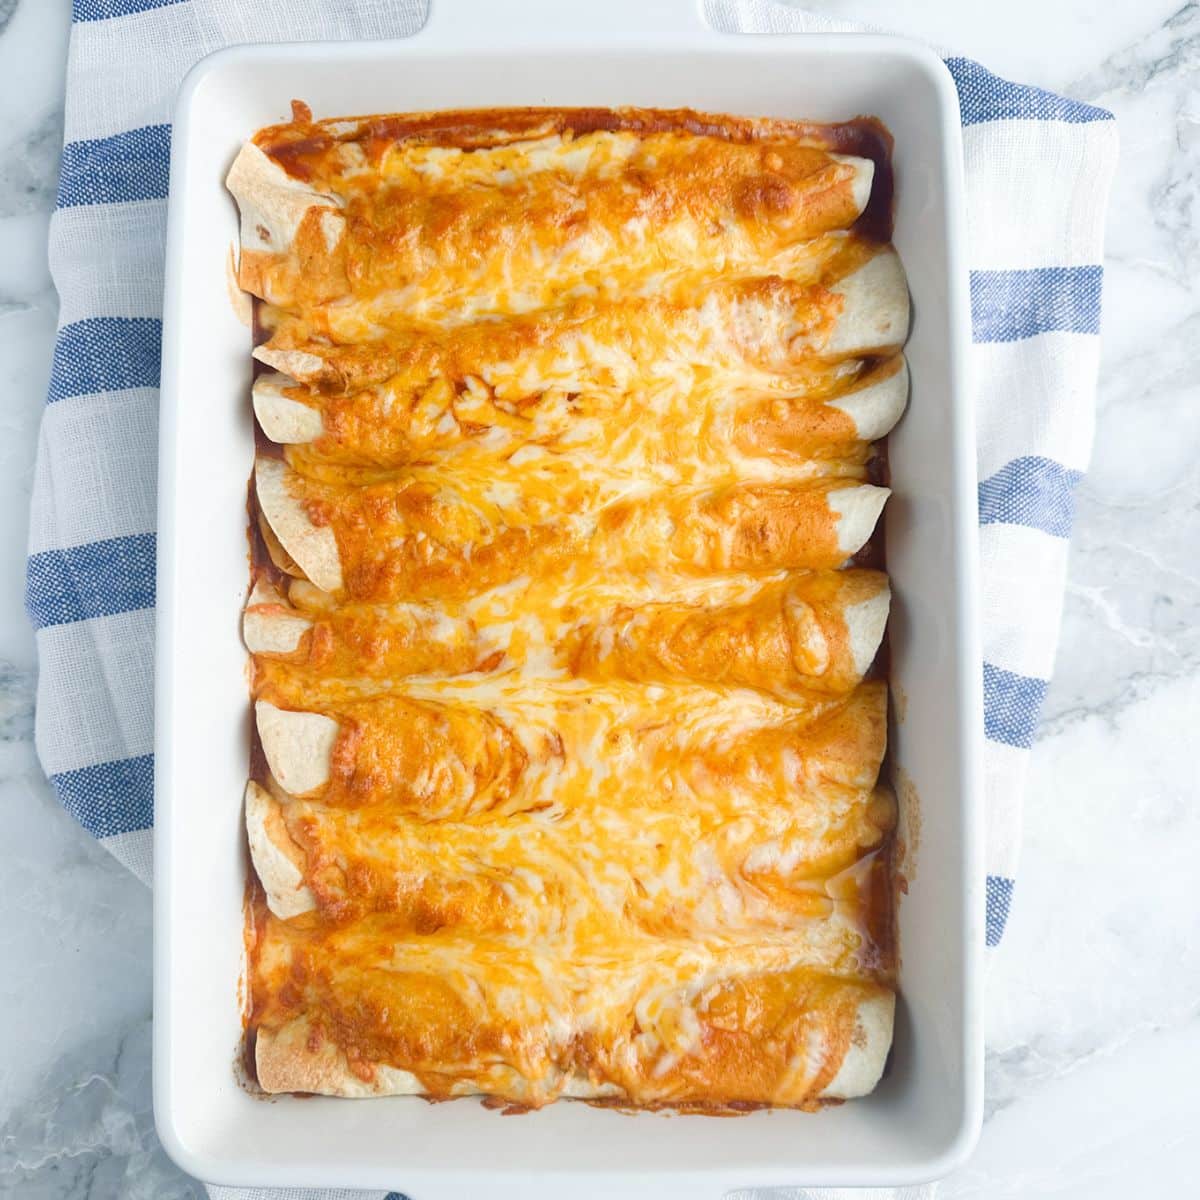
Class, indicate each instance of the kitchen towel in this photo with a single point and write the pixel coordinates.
(1038, 168)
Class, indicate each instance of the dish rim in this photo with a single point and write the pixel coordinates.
(548, 42)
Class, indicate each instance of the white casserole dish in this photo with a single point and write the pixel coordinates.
(925, 1115)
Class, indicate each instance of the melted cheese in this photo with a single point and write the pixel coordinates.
(427, 230)
(595, 810)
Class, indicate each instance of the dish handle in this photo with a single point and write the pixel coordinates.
(461, 23)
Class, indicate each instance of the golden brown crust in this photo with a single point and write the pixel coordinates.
(408, 541)
(389, 641)
(509, 869)
(717, 1034)
(790, 638)
(593, 201)
(771, 326)
(769, 528)
(826, 426)
(565, 780)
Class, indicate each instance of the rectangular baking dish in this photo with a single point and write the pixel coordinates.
(925, 1115)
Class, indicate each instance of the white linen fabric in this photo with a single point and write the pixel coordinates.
(1038, 168)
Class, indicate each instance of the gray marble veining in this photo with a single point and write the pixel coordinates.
(29, 167)
(7, 8)
(88, 1129)
(1093, 1018)
(74, 926)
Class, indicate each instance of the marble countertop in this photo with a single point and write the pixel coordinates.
(1093, 1002)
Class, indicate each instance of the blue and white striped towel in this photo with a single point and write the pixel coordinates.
(1038, 172)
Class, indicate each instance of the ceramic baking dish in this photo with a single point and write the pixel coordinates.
(925, 1114)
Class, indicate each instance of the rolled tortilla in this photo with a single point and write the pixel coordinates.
(826, 427)
(270, 625)
(782, 1038)
(386, 427)
(428, 544)
(506, 878)
(754, 774)
(424, 543)
(313, 548)
(283, 418)
(275, 551)
(278, 861)
(432, 760)
(362, 641)
(716, 204)
(758, 329)
(785, 1037)
(302, 365)
(298, 1057)
(856, 512)
(773, 527)
(832, 761)
(289, 231)
(879, 400)
(866, 1055)
(875, 314)
(817, 631)
(298, 745)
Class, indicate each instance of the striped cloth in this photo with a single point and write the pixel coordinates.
(1038, 172)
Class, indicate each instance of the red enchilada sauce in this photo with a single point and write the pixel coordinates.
(299, 146)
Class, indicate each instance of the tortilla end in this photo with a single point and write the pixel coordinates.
(864, 178)
(273, 204)
(270, 630)
(876, 407)
(865, 623)
(264, 592)
(298, 746)
(269, 626)
(278, 872)
(313, 548)
(298, 1058)
(857, 509)
(284, 420)
(299, 364)
(867, 1054)
(875, 313)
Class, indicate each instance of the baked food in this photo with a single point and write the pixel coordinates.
(564, 611)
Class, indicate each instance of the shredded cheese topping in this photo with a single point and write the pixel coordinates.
(596, 808)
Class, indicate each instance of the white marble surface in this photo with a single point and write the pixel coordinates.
(1093, 1018)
